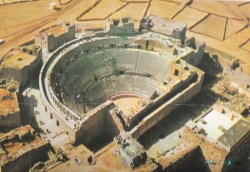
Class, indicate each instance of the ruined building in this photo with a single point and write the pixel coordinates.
(20, 63)
(164, 26)
(17, 146)
(222, 135)
(55, 36)
(120, 26)
(131, 151)
(9, 107)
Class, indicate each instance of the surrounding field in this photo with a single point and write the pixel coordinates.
(134, 10)
(219, 8)
(78, 10)
(190, 16)
(234, 26)
(247, 46)
(163, 9)
(213, 26)
(18, 16)
(103, 9)
(128, 105)
(176, 1)
(135, 0)
(64, 1)
(11, 1)
(246, 9)
(238, 2)
(239, 38)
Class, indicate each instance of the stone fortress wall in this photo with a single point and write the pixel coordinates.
(79, 125)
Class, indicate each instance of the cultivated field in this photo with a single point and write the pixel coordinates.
(238, 2)
(64, 1)
(234, 26)
(246, 46)
(246, 9)
(213, 26)
(103, 9)
(78, 10)
(134, 10)
(135, 0)
(190, 16)
(219, 8)
(163, 9)
(11, 1)
(239, 38)
(18, 16)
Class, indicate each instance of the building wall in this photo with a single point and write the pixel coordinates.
(195, 57)
(99, 125)
(23, 74)
(12, 120)
(241, 149)
(127, 28)
(51, 42)
(210, 150)
(190, 159)
(25, 161)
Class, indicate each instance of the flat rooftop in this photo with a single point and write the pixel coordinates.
(17, 59)
(8, 102)
(57, 30)
(224, 125)
(213, 120)
(235, 133)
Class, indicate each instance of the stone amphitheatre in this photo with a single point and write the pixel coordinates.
(124, 85)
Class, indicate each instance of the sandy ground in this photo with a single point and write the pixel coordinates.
(127, 104)
(105, 162)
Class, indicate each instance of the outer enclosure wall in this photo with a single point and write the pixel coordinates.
(164, 98)
(166, 108)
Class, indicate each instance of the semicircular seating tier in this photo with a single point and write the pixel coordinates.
(93, 77)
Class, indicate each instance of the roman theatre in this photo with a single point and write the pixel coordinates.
(96, 86)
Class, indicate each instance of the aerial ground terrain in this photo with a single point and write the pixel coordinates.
(171, 143)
